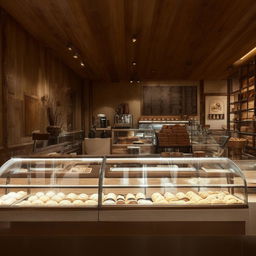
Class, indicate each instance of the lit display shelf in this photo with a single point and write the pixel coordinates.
(121, 188)
(241, 107)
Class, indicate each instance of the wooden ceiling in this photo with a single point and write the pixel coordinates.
(176, 39)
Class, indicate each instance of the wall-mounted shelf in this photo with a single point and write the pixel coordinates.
(242, 104)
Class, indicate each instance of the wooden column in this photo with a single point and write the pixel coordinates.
(202, 102)
(3, 78)
(4, 152)
(229, 86)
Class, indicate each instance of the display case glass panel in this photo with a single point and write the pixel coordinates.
(133, 137)
(173, 182)
(50, 182)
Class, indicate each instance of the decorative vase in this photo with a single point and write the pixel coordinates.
(54, 130)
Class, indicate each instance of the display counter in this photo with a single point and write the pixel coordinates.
(188, 191)
(133, 141)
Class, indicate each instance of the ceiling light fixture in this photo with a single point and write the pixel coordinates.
(69, 48)
(138, 81)
(134, 39)
(134, 63)
(131, 81)
(82, 64)
(75, 56)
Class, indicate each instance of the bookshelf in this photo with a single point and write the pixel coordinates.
(242, 104)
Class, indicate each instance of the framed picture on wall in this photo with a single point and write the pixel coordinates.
(216, 110)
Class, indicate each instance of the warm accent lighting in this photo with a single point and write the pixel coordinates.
(82, 64)
(247, 54)
(134, 63)
(138, 81)
(69, 48)
(75, 56)
(134, 39)
(131, 81)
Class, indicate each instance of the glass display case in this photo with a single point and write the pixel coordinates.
(248, 168)
(213, 146)
(172, 182)
(158, 124)
(50, 182)
(122, 182)
(133, 141)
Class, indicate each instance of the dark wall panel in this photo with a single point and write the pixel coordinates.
(169, 100)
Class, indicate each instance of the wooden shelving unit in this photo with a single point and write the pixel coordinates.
(242, 104)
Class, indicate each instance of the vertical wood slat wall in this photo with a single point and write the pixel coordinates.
(27, 67)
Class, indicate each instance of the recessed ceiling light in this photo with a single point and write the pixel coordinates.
(134, 39)
(75, 56)
(138, 81)
(82, 64)
(69, 48)
(131, 81)
(134, 63)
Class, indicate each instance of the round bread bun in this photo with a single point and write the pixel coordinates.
(32, 198)
(71, 196)
(78, 202)
(51, 203)
(109, 202)
(140, 196)
(130, 196)
(170, 196)
(39, 194)
(91, 202)
(57, 198)
(64, 202)
(83, 196)
(50, 194)
(120, 197)
(181, 195)
(24, 193)
(44, 198)
(145, 202)
(94, 197)
(61, 195)
(37, 202)
(110, 196)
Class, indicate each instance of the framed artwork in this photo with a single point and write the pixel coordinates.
(216, 110)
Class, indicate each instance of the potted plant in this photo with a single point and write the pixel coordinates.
(54, 116)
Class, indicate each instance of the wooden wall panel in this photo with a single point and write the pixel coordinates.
(1, 81)
(32, 70)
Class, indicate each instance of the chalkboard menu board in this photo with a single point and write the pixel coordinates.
(169, 100)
